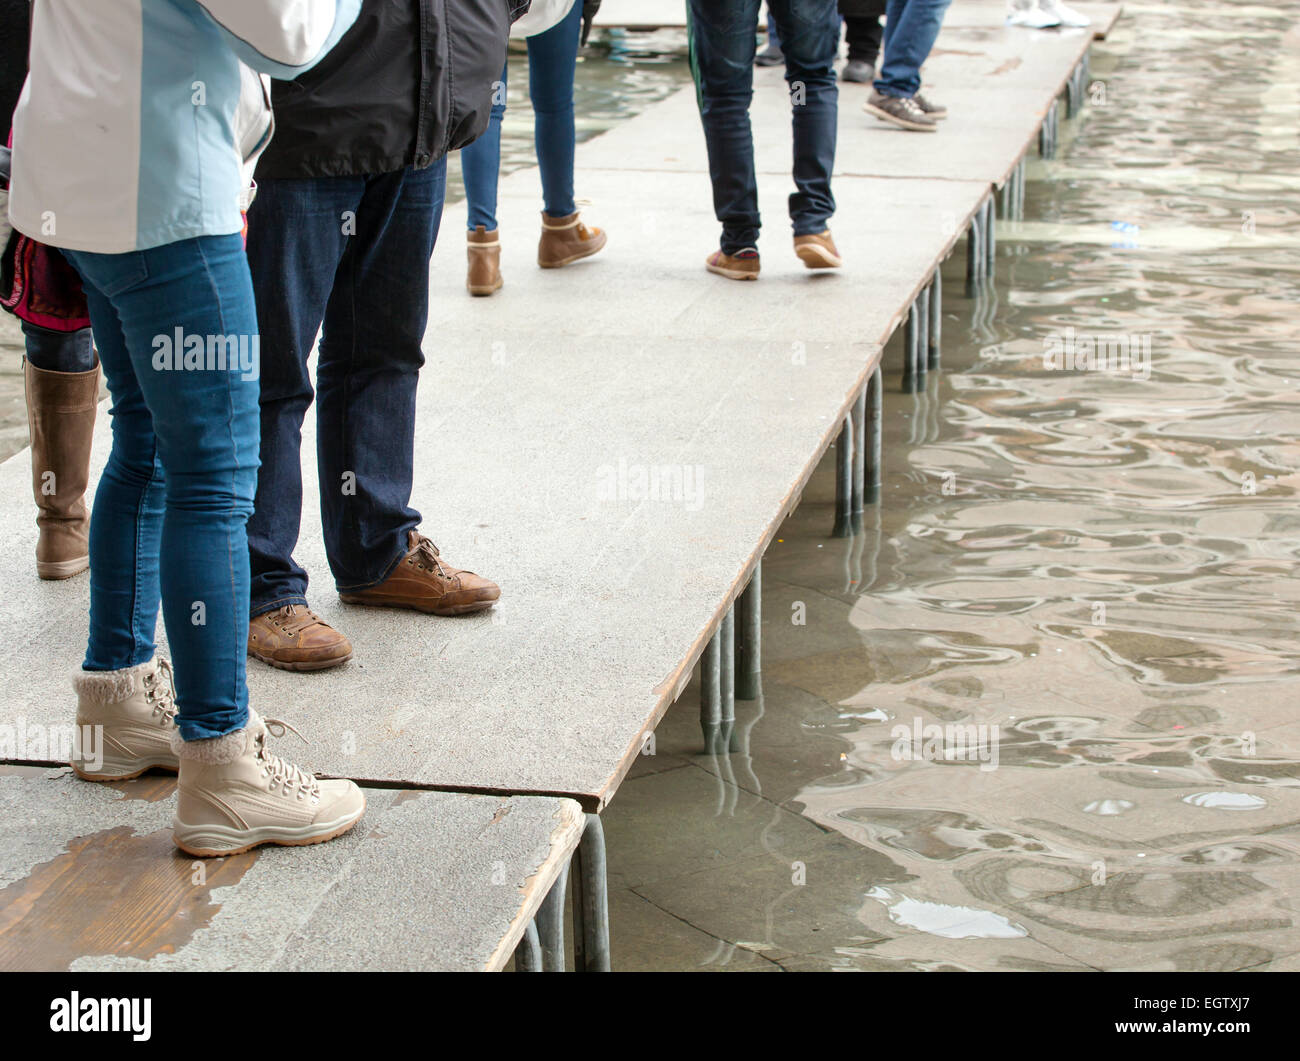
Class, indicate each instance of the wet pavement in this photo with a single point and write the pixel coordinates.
(1041, 714)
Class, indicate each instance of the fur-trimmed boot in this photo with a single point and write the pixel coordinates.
(235, 795)
(125, 720)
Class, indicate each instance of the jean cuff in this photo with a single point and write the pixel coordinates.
(262, 607)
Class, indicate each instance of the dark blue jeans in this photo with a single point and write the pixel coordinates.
(552, 59)
(911, 28)
(349, 256)
(55, 351)
(722, 45)
(171, 506)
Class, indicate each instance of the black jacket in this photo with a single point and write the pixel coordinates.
(410, 81)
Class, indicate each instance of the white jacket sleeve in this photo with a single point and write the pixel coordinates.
(282, 37)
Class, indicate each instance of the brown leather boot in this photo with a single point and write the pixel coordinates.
(296, 638)
(424, 581)
(565, 240)
(61, 423)
(484, 250)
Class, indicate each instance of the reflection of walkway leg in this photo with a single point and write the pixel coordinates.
(936, 319)
(727, 670)
(875, 395)
(591, 901)
(975, 253)
(859, 459)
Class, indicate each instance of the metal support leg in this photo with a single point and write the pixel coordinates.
(911, 351)
(749, 638)
(528, 952)
(990, 236)
(550, 925)
(974, 254)
(711, 692)
(1072, 93)
(922, 335)
(859, 460)
(844, 482)
(875, 406)
(591, 901)
(727, 652)
(936, 320)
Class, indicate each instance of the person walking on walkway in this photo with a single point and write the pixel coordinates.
(60, 369)
(722, 45)
(553, 29)
(130, 162)
(863, 34)
(350, 197)
(911, 28)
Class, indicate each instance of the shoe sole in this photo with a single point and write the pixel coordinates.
(300, 665)
(901, 123)
(817, 257)
(478, 290)
(268, 835)
(123, 777)
(57, 570)
(455, 609)
(731, 274)
(572, 257)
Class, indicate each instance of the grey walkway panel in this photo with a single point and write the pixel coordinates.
(428, 880)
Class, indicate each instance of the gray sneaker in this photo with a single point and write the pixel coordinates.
(858, 70)
(900, 111)
(934, 110)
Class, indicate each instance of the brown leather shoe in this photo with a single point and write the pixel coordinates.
(817, 251)
(424, 581)
(484, 250)
(61, 410)
(565, 240)
(743, 265)
(296, 638)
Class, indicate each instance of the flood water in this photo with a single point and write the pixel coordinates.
(1089, 574)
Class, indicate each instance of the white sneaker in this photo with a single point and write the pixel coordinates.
(234, 795)
(125, 719)
(1066, 16)
(1028, 13)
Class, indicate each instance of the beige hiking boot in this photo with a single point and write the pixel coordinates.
(125, 719)
(566, 240)
(61, 409)
(484, 251)
(234, 795)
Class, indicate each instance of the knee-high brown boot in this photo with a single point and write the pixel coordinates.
(61, 423)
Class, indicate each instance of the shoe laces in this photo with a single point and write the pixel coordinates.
(160, 690)
(295, 618)
(283, 773)
(425, 550)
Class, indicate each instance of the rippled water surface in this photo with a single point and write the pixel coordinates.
(1096, 569)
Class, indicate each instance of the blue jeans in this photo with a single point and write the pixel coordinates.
(552, 60)
(171, 507)
(722, 46)
(911, 28)
(54, 351)
(351, 253)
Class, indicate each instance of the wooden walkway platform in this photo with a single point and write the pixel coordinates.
(625, 439)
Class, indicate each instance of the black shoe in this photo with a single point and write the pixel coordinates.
(858, 70)
(770, 56)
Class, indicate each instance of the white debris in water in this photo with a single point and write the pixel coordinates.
(940, 919)
(1108, 807)
(1225, 800)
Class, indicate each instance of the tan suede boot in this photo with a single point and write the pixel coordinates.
(61, 423)
(484, 250)
(565, 240)
(234, 794)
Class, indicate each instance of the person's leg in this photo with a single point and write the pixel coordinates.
(722, 43)
(552, 61)
(480, 162)
(297, 232)
(910, 34)
(53, 351)
(810, 31)
(204, 417)
(771, 55)
(863, 36)
(370, 360)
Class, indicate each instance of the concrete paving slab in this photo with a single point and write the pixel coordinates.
(90, 880)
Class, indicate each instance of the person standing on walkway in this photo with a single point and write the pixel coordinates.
(60, 369)
(553, 29)
(911, 28)
(350, 197)
(863, 34)
(134, 164)
(722, 45)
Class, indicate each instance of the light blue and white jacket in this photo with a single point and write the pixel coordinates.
(130, 131)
